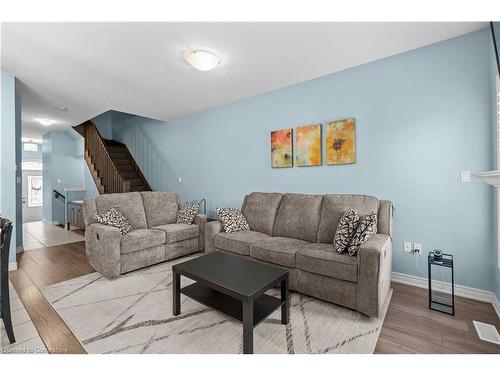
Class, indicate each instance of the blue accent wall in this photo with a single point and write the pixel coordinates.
(421, 116)
(494, 136)
(8, 156)
(104, 123)
(32, 155)
(62, 158)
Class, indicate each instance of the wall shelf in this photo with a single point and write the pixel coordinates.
(490, 177)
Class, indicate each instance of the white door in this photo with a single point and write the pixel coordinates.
(32, 195)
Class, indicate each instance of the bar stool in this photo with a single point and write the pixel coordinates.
(5, 234)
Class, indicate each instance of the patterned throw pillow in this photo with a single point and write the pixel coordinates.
(114, 218)
(345, 230)
(187, 213)
(366, 228)
(232, 220)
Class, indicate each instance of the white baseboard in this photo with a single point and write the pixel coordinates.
(496, 305)
(460, 290)
(50, 222)
(12, 266)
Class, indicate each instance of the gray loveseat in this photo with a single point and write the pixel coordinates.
(296, 231)
(155, 236)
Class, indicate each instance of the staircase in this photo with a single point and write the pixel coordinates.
(111, 164)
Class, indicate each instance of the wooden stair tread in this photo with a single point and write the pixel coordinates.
(123, 167)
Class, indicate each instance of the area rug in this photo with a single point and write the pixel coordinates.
(133, 314)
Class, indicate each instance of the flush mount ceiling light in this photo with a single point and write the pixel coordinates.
(30, 146)
(45, 121)
(202, 59)
(62, 108)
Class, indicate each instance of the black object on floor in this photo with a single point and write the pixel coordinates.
(235, 287)
(5, 235)
(440, 300)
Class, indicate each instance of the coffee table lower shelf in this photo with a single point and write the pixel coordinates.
(263, 306)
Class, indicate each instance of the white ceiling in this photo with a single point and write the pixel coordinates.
(139, 68)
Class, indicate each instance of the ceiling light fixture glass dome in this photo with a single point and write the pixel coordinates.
(202, 59)
(45, 121)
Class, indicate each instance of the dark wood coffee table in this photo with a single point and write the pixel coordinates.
(234, 286)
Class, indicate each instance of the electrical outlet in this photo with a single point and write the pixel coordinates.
(180, 180)
(417, 248)
(407, 247)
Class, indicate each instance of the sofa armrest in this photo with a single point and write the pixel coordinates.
(102, 247)
(201, 221)
(211, 229)
(89, 210)
(374, 274)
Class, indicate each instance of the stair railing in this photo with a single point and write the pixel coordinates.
(111, 178)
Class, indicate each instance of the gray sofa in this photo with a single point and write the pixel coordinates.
(155, 236)
(296, 231)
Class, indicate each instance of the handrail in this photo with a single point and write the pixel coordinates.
(57, 194)
(111, 177)
(104, 147)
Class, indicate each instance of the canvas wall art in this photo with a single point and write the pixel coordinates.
(308, 150)
(281, 148)
(341, 142)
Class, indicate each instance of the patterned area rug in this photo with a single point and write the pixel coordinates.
(133, 314)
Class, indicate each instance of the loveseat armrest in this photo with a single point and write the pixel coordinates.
(374, 274)
(102, 248)
(211, 229)
(201, 221)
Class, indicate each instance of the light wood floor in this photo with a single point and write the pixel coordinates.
(409, 327)
(38, 234)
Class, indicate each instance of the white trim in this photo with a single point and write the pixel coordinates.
(490, 177)
(496, 305)
(12, 266)
(75, 189)
(460, 290)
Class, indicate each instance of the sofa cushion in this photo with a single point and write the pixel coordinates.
(114, 218)
(140, 239)
(367, 227)
(179, 232)
(260, 211)
(129, 204)
(298, 217)
(277, 250)
(334, 206)
(160, 207)
(345, 230)
(238, 242)
(187, 213)
(232, 220)
(322, 259)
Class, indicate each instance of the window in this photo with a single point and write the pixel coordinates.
(35, 196)
(30, 146)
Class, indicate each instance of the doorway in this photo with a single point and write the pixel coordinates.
(32, 191)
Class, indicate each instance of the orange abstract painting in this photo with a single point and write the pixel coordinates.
(308, 151)
(341, 142)
(281, 148)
